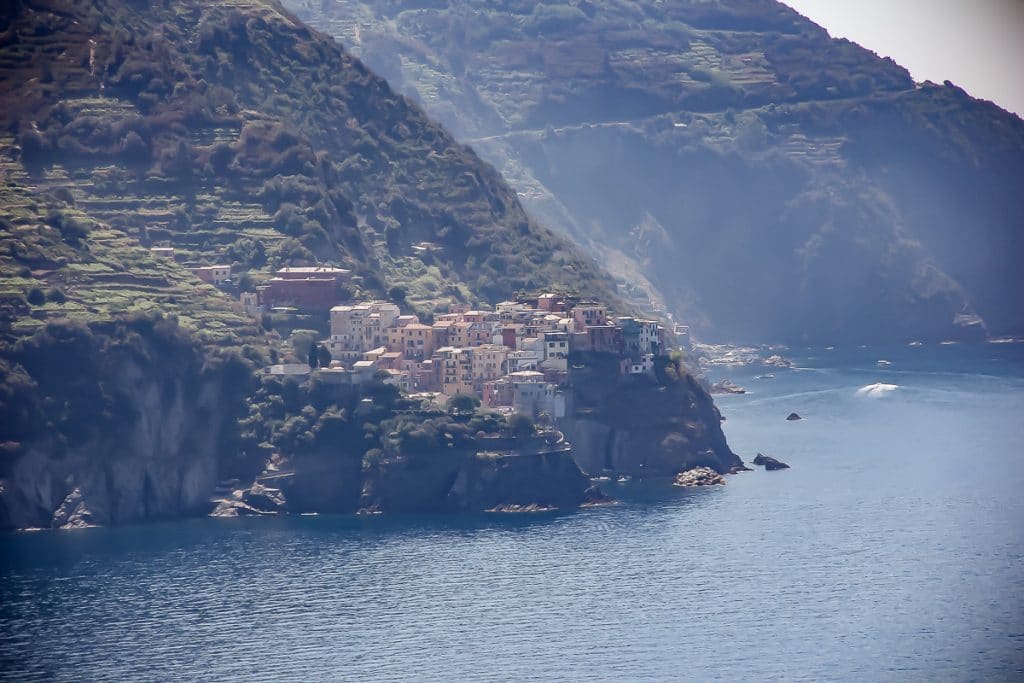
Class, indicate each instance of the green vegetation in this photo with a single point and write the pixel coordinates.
(462, 404)
(313, 418)
(49, 272)
(520, 425)
(235, 134)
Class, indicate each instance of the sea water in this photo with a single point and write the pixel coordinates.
(893, 549)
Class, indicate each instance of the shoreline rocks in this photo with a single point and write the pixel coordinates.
(73, 513)
(699, 476)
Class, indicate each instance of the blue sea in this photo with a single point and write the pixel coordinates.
(893, 549)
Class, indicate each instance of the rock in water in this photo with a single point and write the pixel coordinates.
(727, 387)
(793, 417)
(770, 463)
(73, 513)
(699, 476)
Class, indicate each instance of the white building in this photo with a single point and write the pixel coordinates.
(555, 350)
(521, 360)
(361, 327)
(534, 398)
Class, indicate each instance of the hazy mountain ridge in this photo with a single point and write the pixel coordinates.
(772, 183)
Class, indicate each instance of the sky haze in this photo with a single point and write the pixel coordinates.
(976, 44)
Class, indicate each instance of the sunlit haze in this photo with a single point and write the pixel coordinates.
(978, 45)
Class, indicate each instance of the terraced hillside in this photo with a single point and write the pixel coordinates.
(765, 181)
(232, 132)
(57, 263)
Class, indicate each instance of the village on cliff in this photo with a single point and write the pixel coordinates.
(513, 358)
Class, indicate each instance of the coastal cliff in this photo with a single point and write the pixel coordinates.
(114, 423)
(527, 474)
(372, 450)
(639, 425)
(526, 477)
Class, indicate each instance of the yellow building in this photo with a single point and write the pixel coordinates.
(456, 370)
(414, 341)
(488, 360)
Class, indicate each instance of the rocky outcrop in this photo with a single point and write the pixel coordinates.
(524, 479)
(639, 425)
(699, 476)
(73, 513)
(793, 417)
(528, 479)
(143, 435)
(770, 463)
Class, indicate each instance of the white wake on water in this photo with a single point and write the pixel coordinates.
(877, 390)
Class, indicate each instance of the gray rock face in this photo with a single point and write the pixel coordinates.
(478, 482)
(73, 513)
(163, 463)
(534, 477)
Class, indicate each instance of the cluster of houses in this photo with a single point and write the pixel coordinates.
(514, 357)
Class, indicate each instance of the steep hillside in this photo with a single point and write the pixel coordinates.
(765, 181)
(233, 132)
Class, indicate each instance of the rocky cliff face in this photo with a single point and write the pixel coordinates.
(436, 481)
(481, 483)
(642, 426)
(117, 429)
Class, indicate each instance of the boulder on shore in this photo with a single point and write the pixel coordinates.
(699, 476)
(770, 463)
(793, 417)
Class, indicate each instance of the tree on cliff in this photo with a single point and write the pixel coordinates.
(462, 404)
(520, 425)
(303, 341)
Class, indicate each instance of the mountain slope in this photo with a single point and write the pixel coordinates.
(233, 132)
(765, 181)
